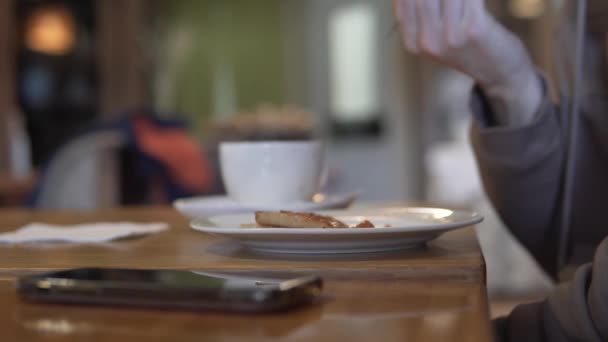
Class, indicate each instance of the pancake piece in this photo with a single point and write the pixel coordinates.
(289, 219)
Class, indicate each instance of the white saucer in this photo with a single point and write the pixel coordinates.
(199, 207)
(397, 229)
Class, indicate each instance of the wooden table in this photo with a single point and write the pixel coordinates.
(431, 294)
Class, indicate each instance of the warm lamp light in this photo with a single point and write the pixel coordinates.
(50, 30)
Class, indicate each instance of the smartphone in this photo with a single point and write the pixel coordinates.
(169, 289)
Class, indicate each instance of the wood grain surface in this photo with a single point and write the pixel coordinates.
(435, 293)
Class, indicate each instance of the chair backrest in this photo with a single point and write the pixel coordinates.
(84, 174)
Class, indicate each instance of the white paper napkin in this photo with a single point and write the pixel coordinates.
(81, 233)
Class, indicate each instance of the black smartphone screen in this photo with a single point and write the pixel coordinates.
(170, 288)
(161, 278)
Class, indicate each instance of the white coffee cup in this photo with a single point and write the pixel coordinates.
(271, 172)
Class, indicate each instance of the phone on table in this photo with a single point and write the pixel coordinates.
(171, 289)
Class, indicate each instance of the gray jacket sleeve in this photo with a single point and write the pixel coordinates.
(577, 311)
(521, 169)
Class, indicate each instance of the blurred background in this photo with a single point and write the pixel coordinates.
(107, 102)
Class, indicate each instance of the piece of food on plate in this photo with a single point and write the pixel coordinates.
(365, 224)
(290, 219)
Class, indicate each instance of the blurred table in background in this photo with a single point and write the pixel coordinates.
(435, 293)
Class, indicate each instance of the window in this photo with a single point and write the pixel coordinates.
(354, 97)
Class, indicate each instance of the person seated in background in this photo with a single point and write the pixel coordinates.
(520, 141)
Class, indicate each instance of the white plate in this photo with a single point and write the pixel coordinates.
(408, 227)
(200, 207)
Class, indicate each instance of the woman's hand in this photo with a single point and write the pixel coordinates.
(461, 34)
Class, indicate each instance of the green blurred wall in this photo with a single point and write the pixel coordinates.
(243, 34)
